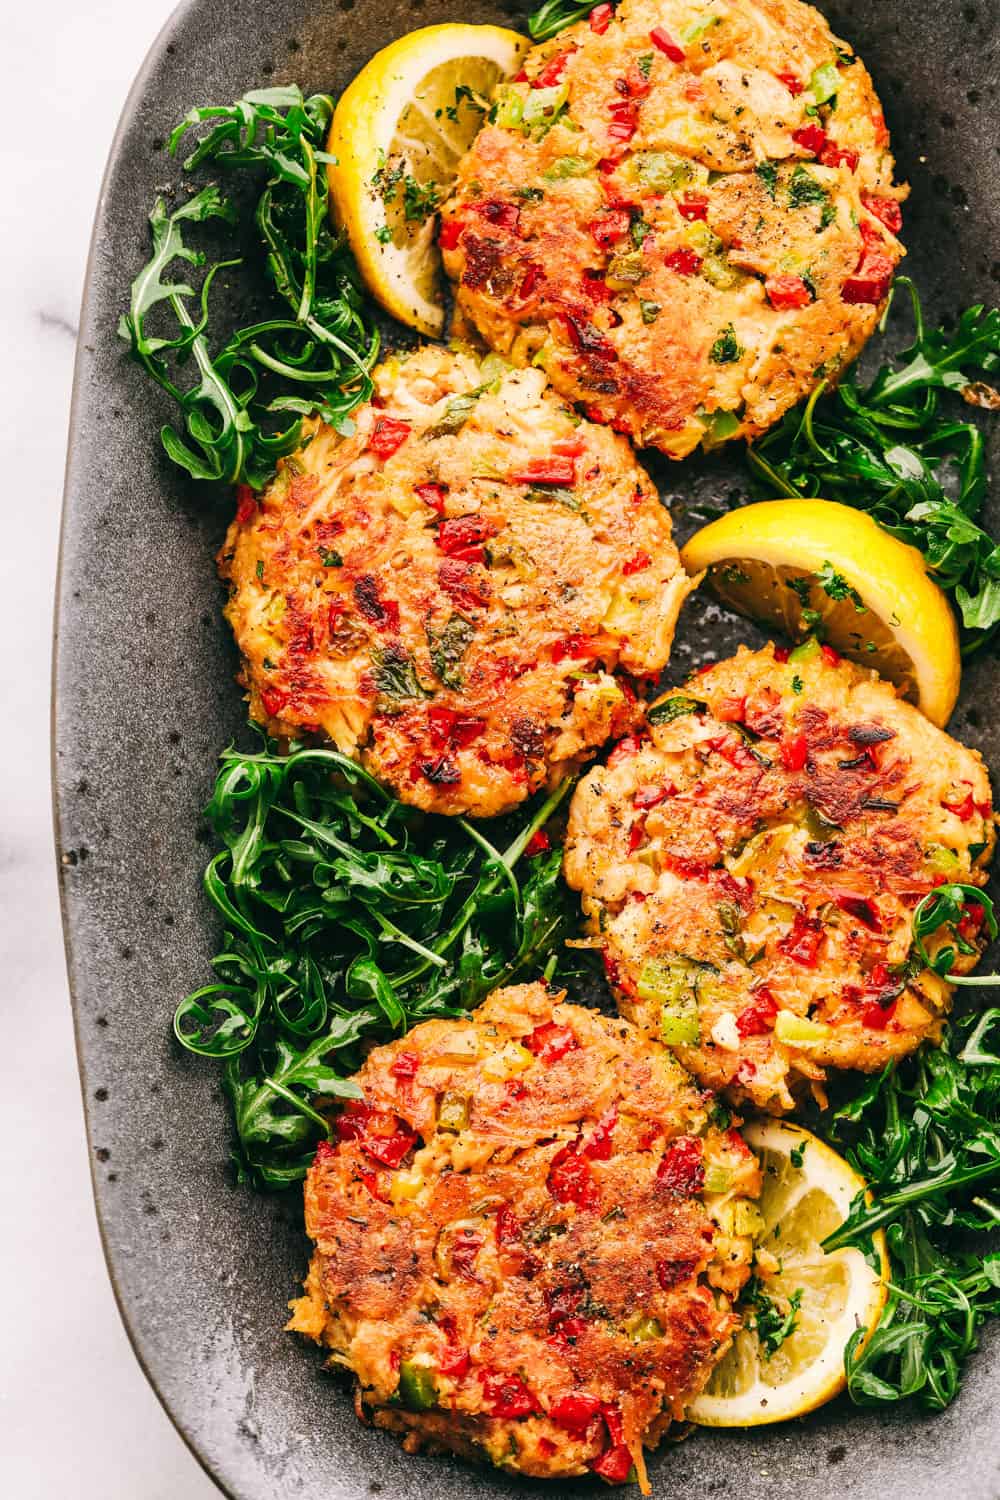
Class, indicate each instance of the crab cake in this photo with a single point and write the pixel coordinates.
(685, 212)
(460, 593)
(518, 1245)
(752, 869)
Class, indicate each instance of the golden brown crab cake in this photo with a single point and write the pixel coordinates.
(684, 211)
(753, 865)
(519, 1253)
(460, 593)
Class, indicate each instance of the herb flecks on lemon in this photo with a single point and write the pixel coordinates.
(398, 133)
(817, 567)
(804, 1304)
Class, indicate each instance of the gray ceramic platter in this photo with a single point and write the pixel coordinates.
(145, 700)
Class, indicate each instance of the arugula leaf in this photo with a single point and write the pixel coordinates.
(887, 448)
(348, 918)
(313, 356)
(555, 15)
(674, 707)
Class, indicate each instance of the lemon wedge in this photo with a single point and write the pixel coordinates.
(397, 135)
(805, 566)
(807, 1193)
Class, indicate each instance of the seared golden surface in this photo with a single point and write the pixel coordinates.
(753, 865)
(458, 593)
(518, 1252)
(687, 216)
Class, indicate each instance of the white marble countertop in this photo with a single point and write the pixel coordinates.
(76, 1415)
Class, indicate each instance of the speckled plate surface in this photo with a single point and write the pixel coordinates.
(145, 700)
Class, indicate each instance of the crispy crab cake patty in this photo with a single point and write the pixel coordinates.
(685, 213)
(460, 592)
(518, 1251)
(751, 869)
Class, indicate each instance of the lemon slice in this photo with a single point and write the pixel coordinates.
(805, 1198)
(812, 565)
(398, 133)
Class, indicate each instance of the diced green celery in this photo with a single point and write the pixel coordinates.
(627, 267)
(670, 983)
(679, 1023)
(567, 166)
(661, 172)
(453, 1112)
(717, 1179)
(824, 83)
(942, 860)
(788, 1027)
(700, 237)
(718, 272)
(807, 651)
(645, 1328)
(417, 1389)
(697, 29)
(542, 106)
(747, 1217)
(509, 109)
(719, 425)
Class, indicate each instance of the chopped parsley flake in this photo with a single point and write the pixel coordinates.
(727, 348)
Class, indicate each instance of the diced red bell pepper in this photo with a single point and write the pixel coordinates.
(964, 808)
(794, 752)
(637, 564)
(387, 435)
(731, 710)
(834, 156)
(505, 1395)
(810, 138)
(607, 229)
(877, 1017)
(551, 74)
(664, 42)
(831, 657)
(468, 589)
(880, 128)
(557, 470)
(614, 1465)
(507, 1227)
(531, 278)
(577, 1411)
(274, 700)
(405, 1065)
(691, 208)
(450, 233)
(501, 215)
(539, 843)
(637, 835)
(551, 1041)
(681, 1170)
(886, 210)
(683, 262)
(758, 1018)
(463, 537)
(971, 921)
(785, 292)
(570, 1179)
(861, 908)
(578, 647)
(454, 1362)
(324, 1151)
(732, 749)
(246, 504)
(433, 495)
(464, 1252)
(600, 18)
(651, 796)
(792, 83)
(870, 282)
(802, 942)
(571, 447)
(568, 1333)
(600, 1143)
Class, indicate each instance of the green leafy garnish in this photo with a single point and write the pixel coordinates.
(554, 16)
(887, 448)
(803, 188)
(348, 918)
(448, 646)
(925, 1136)
(674, 707)
(314, 358)
(771, 1322)
(396, 673)
(726, 349)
